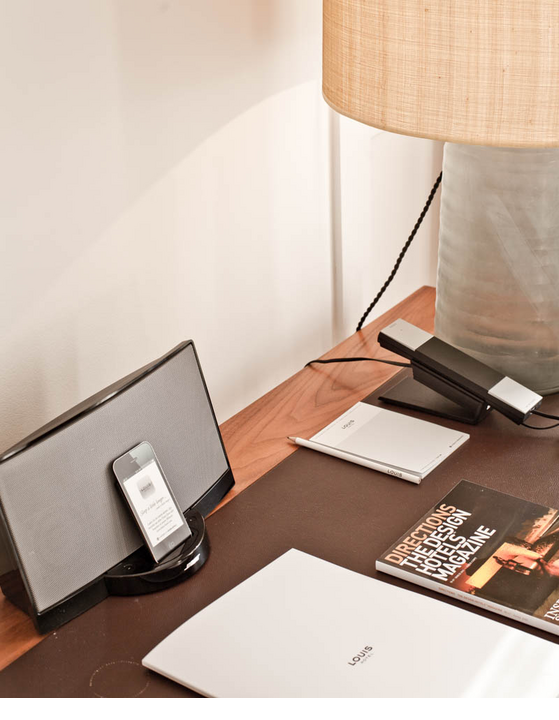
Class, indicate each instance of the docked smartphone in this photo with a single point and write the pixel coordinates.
(151, 500)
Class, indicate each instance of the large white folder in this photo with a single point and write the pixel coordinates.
(303, 627)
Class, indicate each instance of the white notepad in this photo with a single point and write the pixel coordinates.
(388, 441)
(303, 627)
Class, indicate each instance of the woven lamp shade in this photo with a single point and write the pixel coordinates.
(483, 72)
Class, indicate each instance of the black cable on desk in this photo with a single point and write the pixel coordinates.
(387, 283)
(359, 359)
(542, 427)
(405, 365)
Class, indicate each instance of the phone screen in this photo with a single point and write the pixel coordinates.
(151, 500)
(148, 492)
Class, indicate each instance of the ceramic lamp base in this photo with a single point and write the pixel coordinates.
(498, 274)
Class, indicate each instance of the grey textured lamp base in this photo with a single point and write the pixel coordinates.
(498, 275)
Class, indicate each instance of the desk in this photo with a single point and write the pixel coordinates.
(329, 508)
(255, 438)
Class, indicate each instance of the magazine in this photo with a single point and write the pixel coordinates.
(486, 548)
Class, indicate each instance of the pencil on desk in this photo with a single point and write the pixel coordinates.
(357, 459)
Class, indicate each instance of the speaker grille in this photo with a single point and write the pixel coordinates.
(66, 517)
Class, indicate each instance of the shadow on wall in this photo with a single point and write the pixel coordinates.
(435, 209)
(22, 395)
(116, 94)
(161, 171)
(26, 389)
(220, 249)
(187, 68)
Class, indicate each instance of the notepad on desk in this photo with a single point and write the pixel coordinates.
(387, 441)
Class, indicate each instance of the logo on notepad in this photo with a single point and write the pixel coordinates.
(362, 656)
(348, 424)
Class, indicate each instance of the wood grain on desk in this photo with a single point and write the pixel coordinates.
(256, 438)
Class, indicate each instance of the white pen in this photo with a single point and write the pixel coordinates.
(357, 459)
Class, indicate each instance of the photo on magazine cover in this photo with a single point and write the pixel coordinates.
(489, 545)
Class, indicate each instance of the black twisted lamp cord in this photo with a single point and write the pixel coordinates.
(402, 253)
(380, 294)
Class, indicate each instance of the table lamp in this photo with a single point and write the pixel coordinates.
(483, 76)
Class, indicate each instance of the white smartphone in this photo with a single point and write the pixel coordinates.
(151, 500)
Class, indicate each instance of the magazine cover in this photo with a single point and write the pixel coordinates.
(487, 548)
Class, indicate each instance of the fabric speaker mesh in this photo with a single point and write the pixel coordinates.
(66, 517)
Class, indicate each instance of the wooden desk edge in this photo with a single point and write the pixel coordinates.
(256, 437)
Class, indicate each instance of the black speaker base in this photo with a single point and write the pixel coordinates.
(136, 575)
(411, 394)
(139, 574)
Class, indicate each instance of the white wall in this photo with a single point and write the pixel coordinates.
(385, 182)
(166, 176)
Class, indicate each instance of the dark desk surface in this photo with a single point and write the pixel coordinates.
(330, 508)
(324, 506)
(255, 438)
